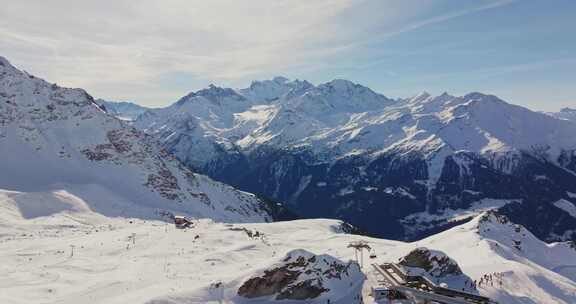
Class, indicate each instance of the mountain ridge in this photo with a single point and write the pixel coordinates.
(565, 113)
(319, 147)
(58, 139)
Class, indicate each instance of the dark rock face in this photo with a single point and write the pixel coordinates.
(316, 190)
(376, 195)
(302, 291)
(435, 263)
(300, 275)
(568, 160)
(272, 282)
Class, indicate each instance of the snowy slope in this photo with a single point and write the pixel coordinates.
(56, 141)
(209, 262)
(533, 271)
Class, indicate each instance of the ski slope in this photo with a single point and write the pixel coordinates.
(122, 260)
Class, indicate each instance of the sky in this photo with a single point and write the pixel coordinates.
(154, 51)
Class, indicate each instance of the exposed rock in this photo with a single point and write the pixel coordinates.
(272, 282)
(302, 275)
(435, 263)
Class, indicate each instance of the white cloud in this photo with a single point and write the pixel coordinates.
(124, 49)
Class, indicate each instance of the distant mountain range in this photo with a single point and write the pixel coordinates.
(122, 109)
(565, 113)
(396, 168)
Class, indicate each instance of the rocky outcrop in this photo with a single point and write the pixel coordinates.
(435, 263)
(302, 275)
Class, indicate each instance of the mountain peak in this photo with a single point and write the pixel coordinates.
(4, 61)
(269, 90)
(213, 93)
(214, 90)
(280, 79)
(340, 84)
(339, 96)
(276, 81)
(422, 95)
(5, 65)
(345, 88)
(445, 97)
(482, 97)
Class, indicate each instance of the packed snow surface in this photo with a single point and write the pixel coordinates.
(71, 257)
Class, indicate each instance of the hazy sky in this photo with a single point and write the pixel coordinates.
(155, 51)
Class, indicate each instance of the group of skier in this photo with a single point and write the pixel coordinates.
(486, 280)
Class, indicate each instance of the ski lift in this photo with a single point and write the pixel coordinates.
(372, 254)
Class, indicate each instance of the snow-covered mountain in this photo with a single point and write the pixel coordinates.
(122, 109)
(521, 267)
(61, 152)
(341, 150)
